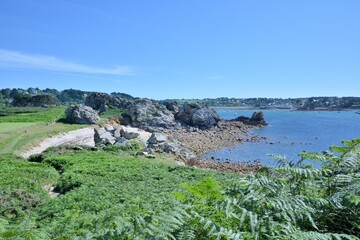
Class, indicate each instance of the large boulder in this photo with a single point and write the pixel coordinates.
(186, 112)
(205, 118)
(103, 136)
(81, 114)
(98, 101)
(149, 114)
(129, 133)
(198, 115)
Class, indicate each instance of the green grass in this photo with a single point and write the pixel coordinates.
(25, 137)
(18, 114)
(7, 111)
(22, 128)
(8, 127)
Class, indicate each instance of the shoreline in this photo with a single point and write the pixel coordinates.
(225, 134)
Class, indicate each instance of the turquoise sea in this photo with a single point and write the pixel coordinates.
(291, 132)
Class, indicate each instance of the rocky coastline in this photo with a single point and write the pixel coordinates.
(187, 131)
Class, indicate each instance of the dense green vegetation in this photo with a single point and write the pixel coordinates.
(21, 186)
(114, 194)
(99, 189)
(35, 97)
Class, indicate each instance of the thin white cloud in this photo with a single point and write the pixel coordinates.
(12, 59)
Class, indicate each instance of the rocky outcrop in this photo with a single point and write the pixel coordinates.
(81, 114)
(197, 115)
(119, 135)
(186, 112)
(150, 115)
(103, 136)
(257, 119)
(160, 143)
(129, 134)
(98, 101)
(205, 118)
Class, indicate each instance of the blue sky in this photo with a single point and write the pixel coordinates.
(183, 49)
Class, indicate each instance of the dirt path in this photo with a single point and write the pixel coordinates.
(84, 136)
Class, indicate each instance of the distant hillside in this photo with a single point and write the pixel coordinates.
(312, 103)
(35, 97)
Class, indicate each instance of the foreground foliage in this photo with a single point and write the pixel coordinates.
(289, 202)
(108, 195)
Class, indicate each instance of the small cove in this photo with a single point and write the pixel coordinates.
(289, 133)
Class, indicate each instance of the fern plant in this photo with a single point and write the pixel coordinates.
(292, 201)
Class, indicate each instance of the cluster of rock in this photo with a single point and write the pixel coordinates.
(257, 119)
(186, 130)
(115, 134)
(151, 115)
(160, 143)
(81, 114)
(145, 113)
(154, 142)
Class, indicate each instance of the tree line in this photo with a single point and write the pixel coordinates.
(35, 97)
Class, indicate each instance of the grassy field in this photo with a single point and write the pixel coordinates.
(22, 128)
(8, 127)
(34, 114)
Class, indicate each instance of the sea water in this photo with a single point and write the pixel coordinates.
(289, 133)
